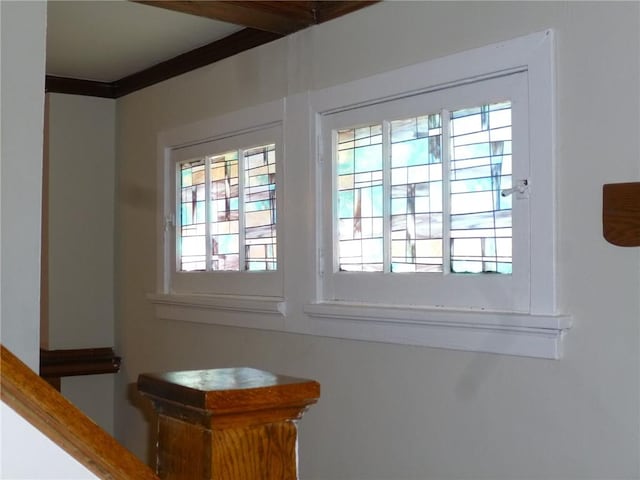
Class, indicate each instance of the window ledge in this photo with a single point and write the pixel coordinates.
(509, 333)
(202, 308)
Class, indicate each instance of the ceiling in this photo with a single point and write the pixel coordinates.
(113, 43)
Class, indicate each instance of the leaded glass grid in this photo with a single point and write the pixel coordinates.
(360, 199)
(480, 168)
(392, 214)
(260, 208)
(241, 211)
(416, 194)
(225, 227)
(192, 216)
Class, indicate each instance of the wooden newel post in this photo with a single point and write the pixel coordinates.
(227, 424)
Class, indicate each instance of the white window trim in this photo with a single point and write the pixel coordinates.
(198, 307)
(536, 333)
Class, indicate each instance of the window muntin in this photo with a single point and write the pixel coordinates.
(445, 157)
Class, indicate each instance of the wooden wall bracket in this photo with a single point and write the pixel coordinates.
(55, 364)
(621, 213)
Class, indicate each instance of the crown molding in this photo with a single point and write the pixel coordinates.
(213, 52)
(265, 22)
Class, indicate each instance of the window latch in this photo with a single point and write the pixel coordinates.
(521, 189)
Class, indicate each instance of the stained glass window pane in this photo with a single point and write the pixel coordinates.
(416, 194)
(360, 199)
(480, 169)
(224, 211)
(260, 208)
(192, 235)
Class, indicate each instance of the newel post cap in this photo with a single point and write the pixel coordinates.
(230, 391)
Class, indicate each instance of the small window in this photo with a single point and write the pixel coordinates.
(223, 194)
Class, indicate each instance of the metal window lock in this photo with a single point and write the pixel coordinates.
(521, 188)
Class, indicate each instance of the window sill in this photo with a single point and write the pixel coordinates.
(203, 308)
(509, 333)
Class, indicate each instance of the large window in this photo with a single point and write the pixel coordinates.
(227, 219)
(436, 204)
(421, 194)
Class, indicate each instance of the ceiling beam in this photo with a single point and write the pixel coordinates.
(226, 47)
(270, 16)
(75, 86)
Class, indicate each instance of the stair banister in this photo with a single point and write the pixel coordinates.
(43, 406)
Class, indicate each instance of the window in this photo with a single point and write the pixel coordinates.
(420, 191)
(221, 226)
(435, 199)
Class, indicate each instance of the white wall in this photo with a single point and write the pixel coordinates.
(81, 237)
(397, 412)
(52, 462)
(22, 97)
(22, 26)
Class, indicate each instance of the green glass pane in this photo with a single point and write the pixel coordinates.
(345, 204)
(345, 162)
(368, 158)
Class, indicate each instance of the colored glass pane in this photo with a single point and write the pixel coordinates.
(260, 208)
(224, 224)
(480, 216)
(191, 249)
(416, 174)
(360, 198)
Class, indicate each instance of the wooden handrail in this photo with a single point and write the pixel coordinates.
(42, 406)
